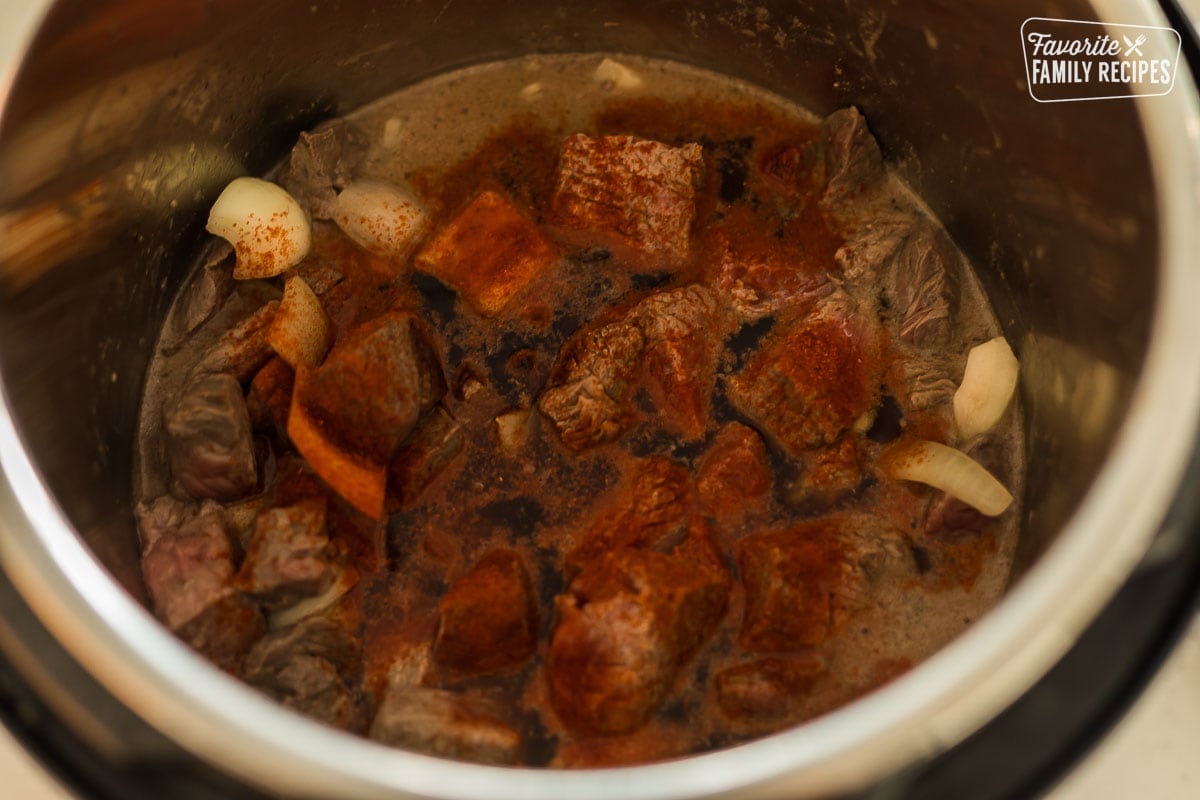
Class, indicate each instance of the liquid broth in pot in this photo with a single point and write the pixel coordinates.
(630, 396)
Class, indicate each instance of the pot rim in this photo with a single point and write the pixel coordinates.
(916, 716)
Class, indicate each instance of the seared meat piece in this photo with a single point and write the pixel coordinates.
(373, 385)
(809, 383)
(853, 163)
(628, 623)
(827, 475)
(871, 246)
(289, 556)
(310, 667)
(322, 164)
(733, 471)
(631, 192)
(489, 253)
(929, 381)
(447, 724)
(488, 618)
(589, 388)
(647, 511)
(924, 288)
(201, 297)
(757, 286)
(209, 443)
(802, 584)
(187, 563)
(435, 443)
(683, 331)
(243, 349)
(769, 688)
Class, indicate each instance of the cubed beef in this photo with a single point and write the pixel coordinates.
(489, 254)
(769, 688)
(627, 624)
(684, 334)
(648, 509)
(310, 667)
(323, 163)
(630, 192)
(209, 442)
(827, 475)
(433, 446)
(372, 386)
(489, 620)
(243, 349)
(757, 285)
(853, 163)
(187, 563)
(733, 472)
(872, 244)
(924, 289)
(588, 392)
(929, 381)
(446, 724)
(792, 166)
(270, 397)
(802, 584)
(201, 296)
(809, 382)
(289, 557)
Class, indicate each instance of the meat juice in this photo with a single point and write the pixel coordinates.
(676, 425)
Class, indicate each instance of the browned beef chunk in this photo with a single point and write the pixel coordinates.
(732, 472)
(243, 349)
(873, 242)
(645, 512)
(757, 285)
(769, 688)
(373, 385)
(635, 193)
(924, 287)
(433, 446)
(827, 475)
(187, 563)
(289, 556)
(627, 624)
(809, 383)
(588, 390)
(929, 380)
(209, 443)
(802, 584)
(310, 667)
(683, 331)
(447, 724)
(853, 163)
(322, 164)
(488, 618)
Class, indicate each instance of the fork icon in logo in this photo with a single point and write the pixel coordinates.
(1134, 47)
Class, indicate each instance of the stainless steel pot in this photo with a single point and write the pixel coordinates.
(120, 119)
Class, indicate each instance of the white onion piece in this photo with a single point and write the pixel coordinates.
(300, 331)
(952, 471)
(616, 75)
(987, 387)
(380, 218)
(512, 429)
(268, 229)
(312, 606)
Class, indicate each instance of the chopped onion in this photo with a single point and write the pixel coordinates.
(987, 387)
(268, 229)
(311, 606)
(512, 428)
(380, 218)
(532, 92)
(300, 332)
(952, 471)
(617, 75)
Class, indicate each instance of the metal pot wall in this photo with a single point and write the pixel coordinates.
(123, 118)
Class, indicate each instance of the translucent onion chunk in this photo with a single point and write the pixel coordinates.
(512, 429)
(987, 387)
(380, 218)
(268, 229)
(952, 471)
(616, 75)
(300, 332)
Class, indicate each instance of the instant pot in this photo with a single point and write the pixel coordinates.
(121, 119)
